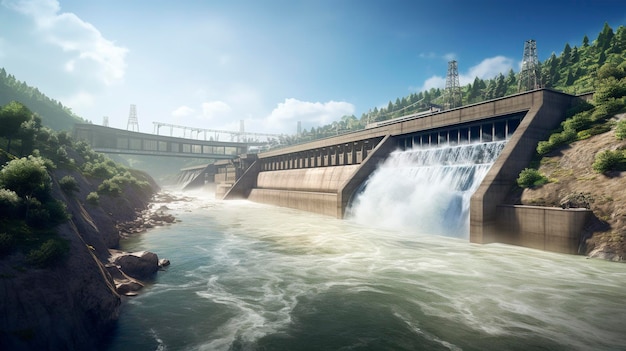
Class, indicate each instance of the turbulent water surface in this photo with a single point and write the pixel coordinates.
(247, 276)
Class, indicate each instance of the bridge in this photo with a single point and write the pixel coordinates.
(119, 141)
(322, 176)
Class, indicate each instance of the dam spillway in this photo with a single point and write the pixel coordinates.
(425, 190)
(346, 161)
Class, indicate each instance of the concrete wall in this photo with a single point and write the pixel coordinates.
(547, 112)
(322, 190)
(545, 228)
(309, 189)
(323, 179)
(295, 183)
(240, 189)
(316, 202)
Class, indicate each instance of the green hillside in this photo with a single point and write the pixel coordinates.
(53, 114)
(574, 71)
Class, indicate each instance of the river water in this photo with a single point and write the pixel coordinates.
(247, 276)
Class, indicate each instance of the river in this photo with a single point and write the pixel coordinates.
(248, 276)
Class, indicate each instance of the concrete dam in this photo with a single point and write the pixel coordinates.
(325, 175)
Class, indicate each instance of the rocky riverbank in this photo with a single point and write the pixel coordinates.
(130, 270)
(75, 303)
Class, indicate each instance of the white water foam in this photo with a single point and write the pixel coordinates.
(425, 190)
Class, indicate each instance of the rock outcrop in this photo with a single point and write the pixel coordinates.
(131, 269)
(574, 183)
(72, 305)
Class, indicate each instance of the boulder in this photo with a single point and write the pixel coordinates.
(577, 200)
(139, 265)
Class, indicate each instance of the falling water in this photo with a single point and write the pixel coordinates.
(425, 190)
(186, 177)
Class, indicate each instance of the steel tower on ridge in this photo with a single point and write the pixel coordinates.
(452, 95)
(529, 75)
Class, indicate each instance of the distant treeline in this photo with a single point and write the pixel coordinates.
(574, 71)
(54, 114)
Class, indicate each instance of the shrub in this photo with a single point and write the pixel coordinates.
(608, 160)
(557, 139)
(610, 88)
(38, 217)
(578, 122)
(580, 107)
(9, 203)
(620, 130)
(93, 198)
(26, 176)
(607, 109)
(109, 187)
(530, 177)
(99, 170)
(58, 212)
(64, 138)
(543, 147)
(69, 185)
(51, 252)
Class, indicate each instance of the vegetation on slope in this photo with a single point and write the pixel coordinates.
(588, 119)
(576, 70)
(57, 116)
(29, 213)
(582, 164)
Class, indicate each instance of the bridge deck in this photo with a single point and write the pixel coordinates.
(119, 141)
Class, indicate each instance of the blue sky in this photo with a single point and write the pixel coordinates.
(210, 64)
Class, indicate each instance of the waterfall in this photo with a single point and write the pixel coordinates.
(186, 177)
(425, 190)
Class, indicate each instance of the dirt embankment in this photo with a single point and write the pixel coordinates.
(570, 172)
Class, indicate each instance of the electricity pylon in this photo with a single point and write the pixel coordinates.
(529, 75)
(452, 94)
(132, 119)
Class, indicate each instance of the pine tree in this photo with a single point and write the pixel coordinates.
(585, 41)
(566, 55)
(605, 37)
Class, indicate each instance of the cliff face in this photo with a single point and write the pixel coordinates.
(570, 172)
(73, 305)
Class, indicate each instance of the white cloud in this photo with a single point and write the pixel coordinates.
(291, 111)
(486, 69)
(215, 109)
(90, 51)
(183, 111)
(80, 100)
(434, 82)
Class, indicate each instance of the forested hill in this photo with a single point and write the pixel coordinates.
(574, 71)
(53, 114)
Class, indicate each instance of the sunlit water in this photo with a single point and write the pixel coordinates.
(426, 190)
(247, 276)
(399, 274)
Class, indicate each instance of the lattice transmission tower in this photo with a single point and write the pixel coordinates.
(105, 121)
(529, 77)
(452, 94)
(132, 119)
